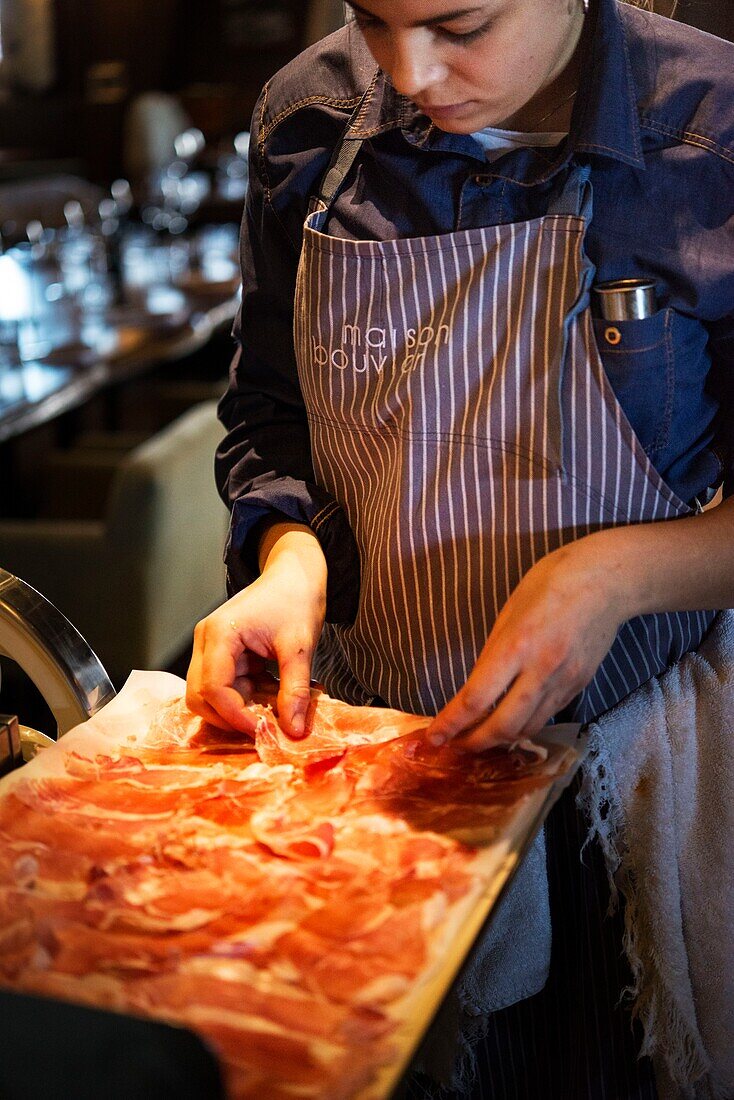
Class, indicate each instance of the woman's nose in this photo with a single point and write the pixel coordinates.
(414, 62)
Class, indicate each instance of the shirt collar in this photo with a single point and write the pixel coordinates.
(605, 119)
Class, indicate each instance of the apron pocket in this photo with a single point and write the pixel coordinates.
(638, 361)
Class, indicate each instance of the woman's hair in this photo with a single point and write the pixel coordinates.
(662, 7)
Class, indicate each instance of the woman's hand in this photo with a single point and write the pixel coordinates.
(278, 617)
(546, 645)
(560, 621)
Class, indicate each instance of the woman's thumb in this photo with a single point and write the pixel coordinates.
(294, 694)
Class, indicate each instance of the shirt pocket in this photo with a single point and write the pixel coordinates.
(639, 361)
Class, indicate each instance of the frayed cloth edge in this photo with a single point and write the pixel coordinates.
(666, 1033)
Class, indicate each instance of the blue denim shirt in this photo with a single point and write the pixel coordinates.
(654, 118)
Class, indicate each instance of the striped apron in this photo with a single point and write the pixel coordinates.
(460, 414)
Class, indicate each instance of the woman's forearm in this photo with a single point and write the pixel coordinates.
(678, 565)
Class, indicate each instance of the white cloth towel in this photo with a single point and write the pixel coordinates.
(659, 788)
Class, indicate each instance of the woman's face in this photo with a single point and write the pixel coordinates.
(468, 64)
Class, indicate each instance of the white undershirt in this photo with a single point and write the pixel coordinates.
(497, 142)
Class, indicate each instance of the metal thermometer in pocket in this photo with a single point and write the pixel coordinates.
(624, 299)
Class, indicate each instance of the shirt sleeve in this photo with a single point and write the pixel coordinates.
(263, 466)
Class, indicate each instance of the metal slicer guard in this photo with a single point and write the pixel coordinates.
(52, 652)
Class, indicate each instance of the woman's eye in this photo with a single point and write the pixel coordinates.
(365, 23)
(464, 37)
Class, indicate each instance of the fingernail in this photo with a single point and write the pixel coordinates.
(298, 723)
(437, 739)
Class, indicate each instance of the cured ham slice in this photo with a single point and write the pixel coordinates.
(331, 728)
(283, 897)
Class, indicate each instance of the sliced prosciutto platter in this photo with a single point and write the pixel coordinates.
(304, 906)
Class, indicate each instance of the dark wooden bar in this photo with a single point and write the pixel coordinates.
(35, 393)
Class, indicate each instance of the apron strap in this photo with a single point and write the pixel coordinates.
(342, 159)
(575, 198)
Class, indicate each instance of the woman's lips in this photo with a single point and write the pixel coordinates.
(448, 110)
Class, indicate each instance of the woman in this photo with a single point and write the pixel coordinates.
(448, 459)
